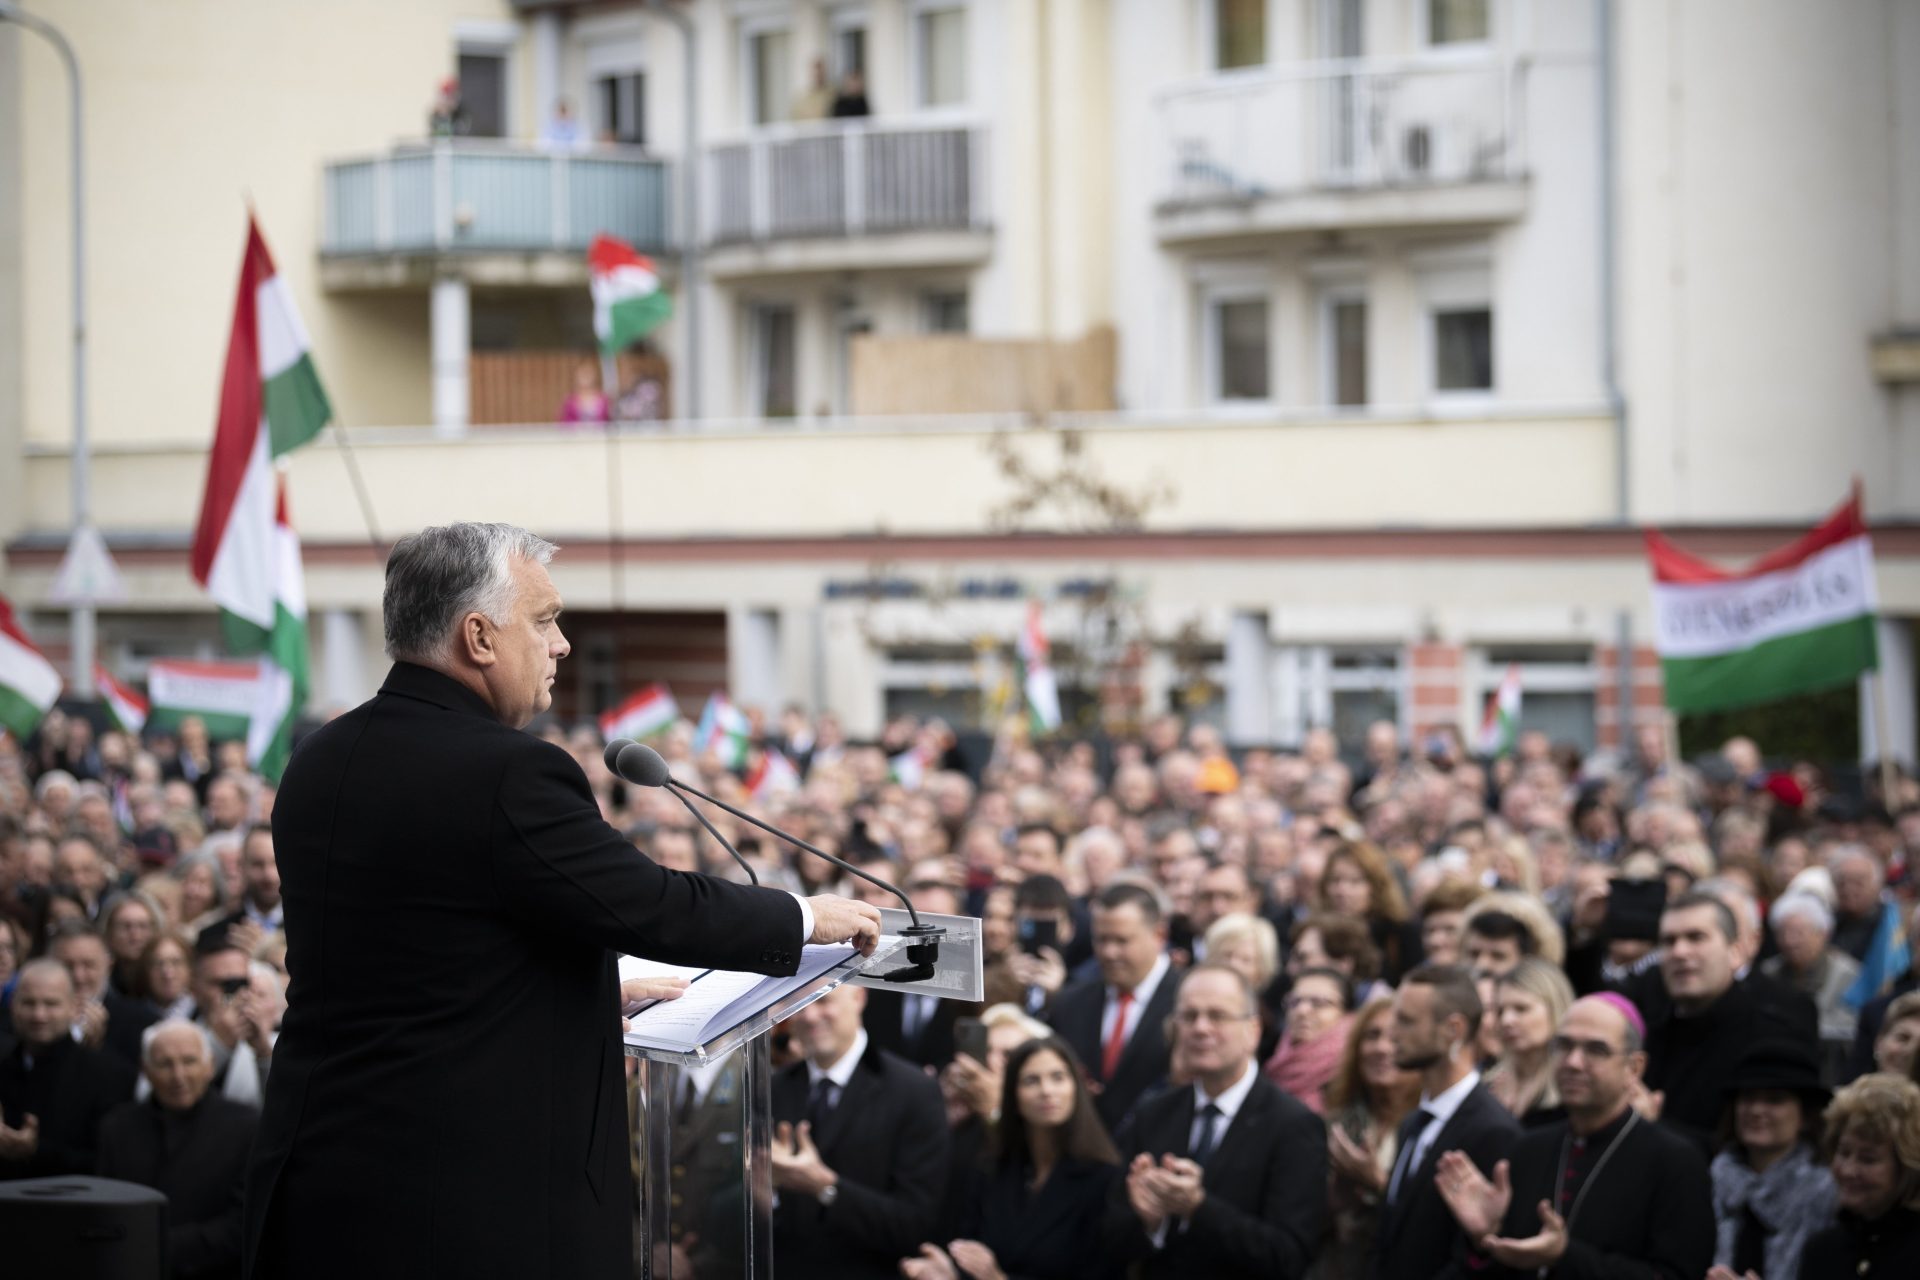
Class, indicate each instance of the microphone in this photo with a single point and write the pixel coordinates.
(644, 767)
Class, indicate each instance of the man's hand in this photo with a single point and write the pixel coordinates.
(225, 1021)
(974, 1083)
(244, 935)
(797, 1165)
(930, 1265)
(1353, 1162)
(21, 1143)
(837, 919)
(976, 1260)
(1145, 1180)
(1180, 1190)
(635, 993)
(1535, 1253)
(1478, 1206)
(1648, 1102)
(1046, 970)
(93, 1024)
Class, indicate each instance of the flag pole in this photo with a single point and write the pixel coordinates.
(359, 482)
(1883, 738)
(616, 522)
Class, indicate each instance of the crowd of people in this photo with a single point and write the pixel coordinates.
(1248, 1013)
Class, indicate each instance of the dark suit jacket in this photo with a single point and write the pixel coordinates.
(1076, 1014)
(198, 1160)
(1418, 1235)
(127, 1018)
(931, 1044)
(447, 1095)
(887, 1139)
(1050, 1234)
(71, 1089)
(1650, 1217)
(1266, 1187)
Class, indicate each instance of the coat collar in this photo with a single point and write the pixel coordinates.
(424, 684)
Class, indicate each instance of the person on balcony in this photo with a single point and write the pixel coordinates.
(449, 116)
(587, 403)
(817, 100)
(563, 131)
(851, 102)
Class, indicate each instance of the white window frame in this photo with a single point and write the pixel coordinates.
(1330, 296)
(917, 10)
(930, 294)
(748, 27)
(1482, 675)
(840, 20)
(1305, 680)
(1457, 281)
(1212, 295)
(1427, 50)
(488, 39)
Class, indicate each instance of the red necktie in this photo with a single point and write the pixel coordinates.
(1117, 1038)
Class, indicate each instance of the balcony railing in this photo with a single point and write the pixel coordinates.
(846, 179)
(1339, 125)
(452, 196)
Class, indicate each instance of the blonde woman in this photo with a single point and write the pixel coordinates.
(1528, 1005)
(1873, 1147)
(1250, 946)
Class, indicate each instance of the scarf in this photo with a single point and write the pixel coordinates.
(1303, 1070)
(1793, 1200)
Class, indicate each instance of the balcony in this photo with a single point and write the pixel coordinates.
(1343, 144)
(496, 212)
(842, 196)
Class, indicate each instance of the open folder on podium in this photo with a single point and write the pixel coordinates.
(717, 1001)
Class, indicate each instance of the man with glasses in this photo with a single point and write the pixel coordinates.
(1602, 1193)
(1435, 1024)
(1227, 1176)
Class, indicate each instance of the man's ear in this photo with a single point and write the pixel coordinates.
(476, 640)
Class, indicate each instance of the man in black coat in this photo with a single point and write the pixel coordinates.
(1115, 1023)
(1602, 1195)
(189, 1143)
(53, 1092)
(447, 1094)
(859, 1150)
(114, 1022)
(1436, 1019)
(1226, 1177)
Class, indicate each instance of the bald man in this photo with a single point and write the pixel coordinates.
(1604, 1192)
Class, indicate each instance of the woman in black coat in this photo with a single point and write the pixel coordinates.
(1038, 1201)
(1873, 1142)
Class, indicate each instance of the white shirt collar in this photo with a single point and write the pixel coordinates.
(1231, 1098)
(1143, 991)
(842, 1070)
(1443, 1107)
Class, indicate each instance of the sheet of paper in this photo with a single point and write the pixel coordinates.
(717, 999)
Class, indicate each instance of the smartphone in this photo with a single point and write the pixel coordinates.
(970, 1038)
(1036, 933)
(1634, 906)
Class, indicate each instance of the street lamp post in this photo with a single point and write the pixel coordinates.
(83, 639)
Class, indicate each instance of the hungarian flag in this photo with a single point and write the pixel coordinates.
(1797, 620)
(1501, 728)
(222, 694)
(641, 716)
(29, 684)
(1043, 695)
(128, 709)
(723, 730)
(245, 552)
(771, 775)
(628, 302)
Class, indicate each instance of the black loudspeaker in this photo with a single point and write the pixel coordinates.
(84, 1229)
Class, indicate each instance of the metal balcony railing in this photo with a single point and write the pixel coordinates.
(1344, 124)
(846, 179)
(449, 196)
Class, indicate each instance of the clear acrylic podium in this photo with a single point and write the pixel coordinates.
(703, 1126)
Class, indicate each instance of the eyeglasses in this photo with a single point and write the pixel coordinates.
(1310, 1002)
(1592, 1050)
(1194, 1017)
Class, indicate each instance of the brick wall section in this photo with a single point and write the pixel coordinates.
(1649, 696)
(1436, 670)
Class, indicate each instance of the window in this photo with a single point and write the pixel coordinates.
(483, 93)
(1344, 688)
(769, 72)
(622, 102)
(1239, 350)
(1345, 318)
(1463, 349)
(776, 393)
(1239, 33)
(946, 312)
(849, 45)
(1457, 22)
(940, 56)
(1557, 683)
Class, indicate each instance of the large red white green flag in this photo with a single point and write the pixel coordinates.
(628, 302)
(29, 684)
(1797, 620)
(245, 552)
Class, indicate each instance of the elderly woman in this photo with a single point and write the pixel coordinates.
(1528, 1004)
(1770, 1195)
(1319, 1012)
(1367, 1099)
(1803, 927)
(1873, 1148)
(1250, 946)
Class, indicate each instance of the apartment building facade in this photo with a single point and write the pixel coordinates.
(1418, 311)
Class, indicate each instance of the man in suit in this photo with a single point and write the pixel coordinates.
(1435, 1027)
(859, 1150)
(53, 1092)
(1226, 1177)
(259, 883)
(1604, 1193)
(446, 1094)
(189, 1143)
(1115, 1023)
(112, 1022)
